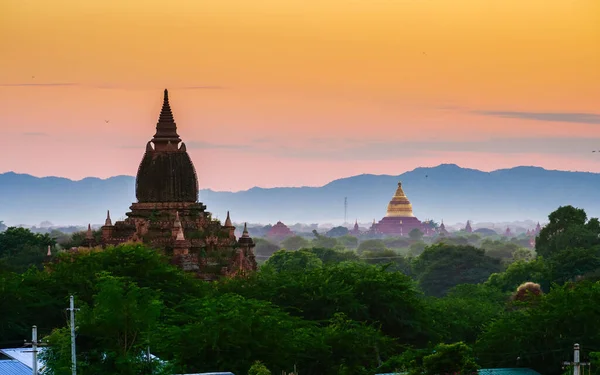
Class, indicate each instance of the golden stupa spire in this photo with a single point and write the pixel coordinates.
(399, 206)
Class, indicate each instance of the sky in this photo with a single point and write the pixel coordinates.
(299, 92)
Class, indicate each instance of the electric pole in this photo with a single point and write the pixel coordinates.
(576, 363)
(34, 349)
(345, 210)
(72, 310)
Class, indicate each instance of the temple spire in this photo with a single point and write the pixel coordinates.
(245, 232)
(180, 235)
(108, 221)
(177, 223)
(228, 221)
(166, 129)
(89, 235)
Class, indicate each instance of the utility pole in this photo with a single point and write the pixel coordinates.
(576, 363)
(345, 210)
(34, 349)
(72, 310)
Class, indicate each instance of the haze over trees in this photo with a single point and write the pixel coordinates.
(426, 306)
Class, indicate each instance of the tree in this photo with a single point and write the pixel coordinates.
(371, 245)
(349, 242)
(20, 248)
(337, 232)
(329, 256)
(441, 266)
(503, 250)
(2, 226)
(264, 248)
(415, 235)
(294, 243)
(567, 228)
(228, 332)
(393, 259)
(540, 334)
(464, 312)
(293, 261)
(113, 333)
(520, 272)
(323, 241)
(258, 368)
(417, 248)
(363, 292)
(454, 358)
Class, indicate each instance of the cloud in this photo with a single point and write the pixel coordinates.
(353, 150)
(198, 145)
(573, 117)
(208, 145)
(37, 84)
(208, 87)
(107, 86)
(35, 134)
(350, 149)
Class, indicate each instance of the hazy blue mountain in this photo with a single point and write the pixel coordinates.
(444, 192)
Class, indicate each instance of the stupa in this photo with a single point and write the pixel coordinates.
(279, 231)
(399, 219)
(168, 216)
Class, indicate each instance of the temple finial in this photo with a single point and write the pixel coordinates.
(108, 222)
(228, 221)
(166, 129)
(245, 232)
(180, 236)
(89, 235)
(177, 223)
(49, 253)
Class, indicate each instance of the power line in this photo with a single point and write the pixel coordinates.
(362, 258)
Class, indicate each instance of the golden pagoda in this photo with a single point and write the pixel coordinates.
(399, 206)
(399, 219)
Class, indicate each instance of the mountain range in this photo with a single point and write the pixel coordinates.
(446, 192)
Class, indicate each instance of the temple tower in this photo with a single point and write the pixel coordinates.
(399, 219)
(168, 216)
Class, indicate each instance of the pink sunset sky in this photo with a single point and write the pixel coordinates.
(287, 93)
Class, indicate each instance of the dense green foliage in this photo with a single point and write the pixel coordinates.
(422, 305)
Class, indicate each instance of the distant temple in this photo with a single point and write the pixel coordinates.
(399, 220)
(168, 217)
(442, 229)
(279, 231)
(355, 230)
(468, 228)
(507, 232)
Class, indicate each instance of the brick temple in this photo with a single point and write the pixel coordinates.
(399, 219)
(168, 216)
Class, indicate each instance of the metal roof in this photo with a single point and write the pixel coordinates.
(13, 367)
(508, 371)
(24, 356)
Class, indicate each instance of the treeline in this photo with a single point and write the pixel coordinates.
(452, 308)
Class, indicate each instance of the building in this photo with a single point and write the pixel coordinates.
(399, 219)
(168, 216)
(442, 229)
(279, 232)
(355, 230)
(468, 227)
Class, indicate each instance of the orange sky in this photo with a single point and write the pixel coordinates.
(300, 92)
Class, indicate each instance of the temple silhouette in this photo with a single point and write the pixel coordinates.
(168, 216)
(399, 219)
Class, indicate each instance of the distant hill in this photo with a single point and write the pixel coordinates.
(446, 192)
